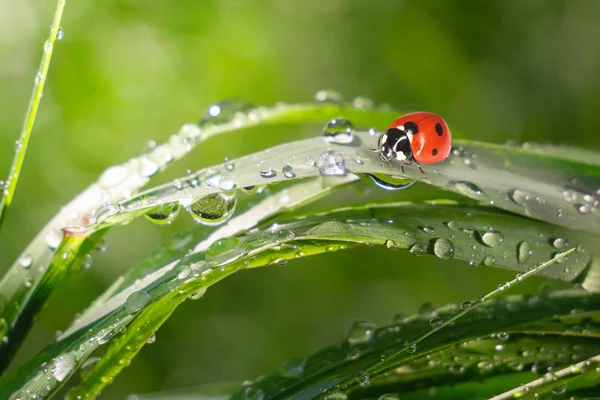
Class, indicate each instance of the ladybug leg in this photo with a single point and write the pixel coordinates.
(420, 169)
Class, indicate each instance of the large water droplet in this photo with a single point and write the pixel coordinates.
(53, 238)
(443, 248)
(559, 243)
(519, 196)
(329, 96)
(165, 214)
(213, 209)
(136, 301)
(491, 238)
(226, 183)
(226, 250)
(339, 130)
(331, 163)
(360, 332)
(389, 182)
(225, 111)
(523, 252)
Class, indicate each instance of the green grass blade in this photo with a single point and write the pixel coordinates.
(7, 190)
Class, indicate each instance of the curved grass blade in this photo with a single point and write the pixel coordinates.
(23, 290)
(168, 286)
(7, 189)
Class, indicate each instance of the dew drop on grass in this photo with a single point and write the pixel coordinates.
(266, 170)
(165, 214)
(106, 211)
(360, 332)
(225, 250)
(226, 183)
(465, 305)
(559, 390)
(519, 197)
(357, 159)
(559, 243)
(293, 368)
(499, 347)
(329, 96)
(362, 378)
(489, 260)
(339, 130)
(60, 34)
(491, 238)
(443, 248)
(87, 262)
(427, 229)
(229, 165)
(253, 393)
(62, 366)
(136, 301)
(417, 249)
(467, 188)
(524, 251)
(450, 225)
(435, 322)
(224, 111)
(411, 348)
(197, 294)
(336, 396)
(390, 244)
(26, 261)
(183, 272)
(504, 336)
(288, 171)
(213, 209)
(53, 239)
(151, 339)
(310, 161)
(331, 163)
(283, 235)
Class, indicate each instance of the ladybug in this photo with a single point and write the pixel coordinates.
(420, 137)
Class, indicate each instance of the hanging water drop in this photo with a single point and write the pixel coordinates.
(389, 182)
(435, 322)
(360, 332)
(213, 209)
(165, 214)
(524, 251)
(339, 130)
(390, 244)
(331, 163)
(443, 248)
(226, 250)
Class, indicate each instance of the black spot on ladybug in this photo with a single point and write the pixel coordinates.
(438, 129)
(434, 152)
(411, 126)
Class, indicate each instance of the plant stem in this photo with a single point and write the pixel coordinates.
(9, 187)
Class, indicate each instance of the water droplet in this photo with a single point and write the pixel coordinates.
(519, 197)
(266, 170)
(151, 339)
(183, 272)
(136, 301)
(360, 332)
(489, 260)
(499, 347)
(226, 183)
(357, 159)
(504, 336)
(427, 229)
(229, 165)
(165, 214)
(524, 251)
(197, 294)
(310, 161)
(329, 96)
(443, 248)
(288, 171)
(53, 239)
(465, 305)
(388, 396)
(559, 243)
(213, 209)
(87, 262)
(362, 377)
(388, 182)
(435, 322)
(491, 238)
(25, 260)
(331, 163)
(60, 34)
(339, 130)
(451, 225)
(283, 235)
(62, 366)
(293, 368)
(560, 389)
(390, 244)
(225, 250)
(467, 188)
(106, 211)
(336, 396)
(225, 111)
(417, 249)
(411, 347)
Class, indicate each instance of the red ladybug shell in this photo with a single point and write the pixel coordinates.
(432, 141)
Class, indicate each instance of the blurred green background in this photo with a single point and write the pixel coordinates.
(128, 72)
